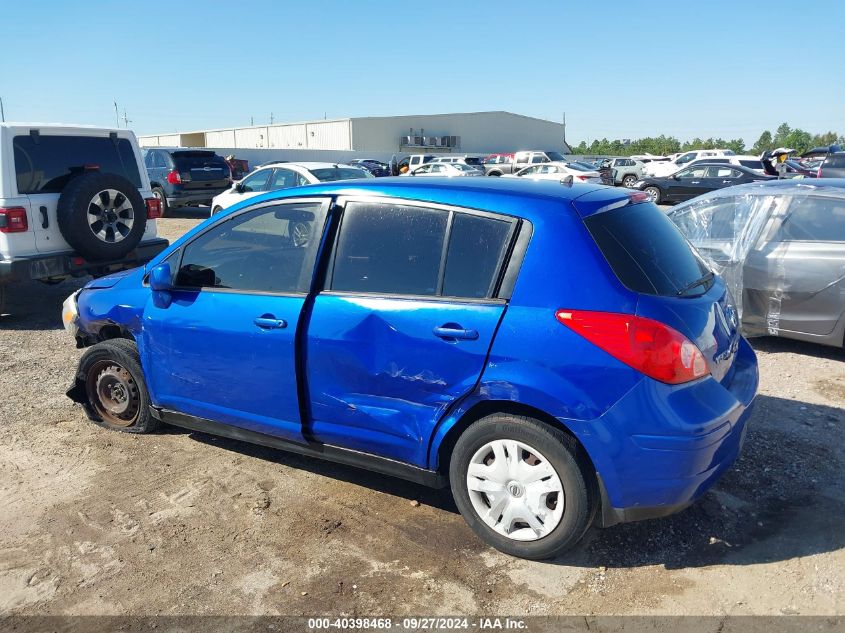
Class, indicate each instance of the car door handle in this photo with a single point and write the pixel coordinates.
(455, 332)
(695, 182)
(269, 322)
(726, 182)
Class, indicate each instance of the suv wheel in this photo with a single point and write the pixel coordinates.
(653, 193)
(115, 392)
(521, 486)
(629, 181)
(158, 192)
(102, 215)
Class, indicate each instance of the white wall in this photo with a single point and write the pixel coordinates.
(288, 136)
(225, 138)
(480, 132)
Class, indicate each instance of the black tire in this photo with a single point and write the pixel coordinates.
(100, 360)
(73, 208)
(561, 451)
(216, 210)
(2, 299)
(495, 173)
(158, 192)
(654, 192)
(628, 180)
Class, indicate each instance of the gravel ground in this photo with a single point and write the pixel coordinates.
(96, 522)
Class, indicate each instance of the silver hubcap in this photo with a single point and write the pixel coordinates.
(300, 234)
(515, 490)
(110, 216)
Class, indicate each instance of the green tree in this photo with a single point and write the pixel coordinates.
(781, 134)
(764, 144)
(798, 140)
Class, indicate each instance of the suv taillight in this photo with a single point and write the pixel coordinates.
(13, 220)
(153, 208)
(174, 178)
(648, 346)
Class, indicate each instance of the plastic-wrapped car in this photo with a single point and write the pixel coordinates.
(780, 246)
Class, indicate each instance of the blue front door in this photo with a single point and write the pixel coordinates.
(225, 348)
(404, 325)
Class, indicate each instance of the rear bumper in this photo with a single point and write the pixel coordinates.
(662, 447)
(70, 264)
(194, 196)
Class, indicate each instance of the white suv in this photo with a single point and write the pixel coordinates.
(74, 201)
(667, 168)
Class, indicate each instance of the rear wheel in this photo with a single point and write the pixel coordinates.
(115, 391)
(653, 194)
(158, 192)
(521, 486)
(2, 299)
(629, 181)
(216, 210)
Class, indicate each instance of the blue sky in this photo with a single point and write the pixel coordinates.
(618, 69)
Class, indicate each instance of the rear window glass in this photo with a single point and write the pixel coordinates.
(46, 165)
(199, 161)
(752, 164)
(471, 160)
(646, 250)
(330, 174)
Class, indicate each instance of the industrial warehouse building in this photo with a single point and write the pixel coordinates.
(468, 132)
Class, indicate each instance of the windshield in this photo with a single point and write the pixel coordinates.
(462, 167)
(330, 174)
(555, 156)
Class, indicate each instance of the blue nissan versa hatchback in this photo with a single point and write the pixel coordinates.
(556, 353)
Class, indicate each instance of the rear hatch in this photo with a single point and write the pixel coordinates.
(674, 285)
(201, 170)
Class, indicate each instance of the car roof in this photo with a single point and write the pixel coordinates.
(502, 195)
(785, 186)
(309, 165)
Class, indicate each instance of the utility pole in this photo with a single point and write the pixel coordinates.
(564, 130)
(126, 120)
(2, 112)
(271, 118)
(116, 114)
(251, 121)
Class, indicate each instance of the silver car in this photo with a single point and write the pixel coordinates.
(780, 246)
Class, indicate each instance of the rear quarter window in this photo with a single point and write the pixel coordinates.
(46, 164)
(645, 250)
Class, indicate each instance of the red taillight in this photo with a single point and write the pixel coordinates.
(648, 346)
(640, 196)
(174, 178)
(153, 208)
(13, 220)
(819, 173)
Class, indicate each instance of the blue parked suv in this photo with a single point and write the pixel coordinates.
(556, 353)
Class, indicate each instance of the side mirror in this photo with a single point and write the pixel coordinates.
(675, 177)
(238, 187)
(161, 278)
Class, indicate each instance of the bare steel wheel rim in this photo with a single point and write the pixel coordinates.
(653, 193)
(110, 216)
(113, 393)
(515, 490)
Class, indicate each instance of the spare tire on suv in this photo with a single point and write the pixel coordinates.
(103, 216)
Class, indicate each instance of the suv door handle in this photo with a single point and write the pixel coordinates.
(269, 322)
(450, 331)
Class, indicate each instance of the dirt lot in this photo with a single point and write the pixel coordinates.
(95, 522)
